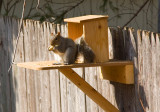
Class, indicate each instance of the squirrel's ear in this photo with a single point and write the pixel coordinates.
(58, 33)
(52, 34)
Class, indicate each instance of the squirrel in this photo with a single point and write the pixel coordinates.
(64, 47)
(69, 50)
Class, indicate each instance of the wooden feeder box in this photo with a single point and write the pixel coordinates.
(95, 31)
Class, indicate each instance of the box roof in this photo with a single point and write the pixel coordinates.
(84, 18)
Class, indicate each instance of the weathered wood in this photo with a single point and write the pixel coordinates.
(92, 80)
(157, 69)
(28, 49)
(5, 78)
(19, 80)
(88, 90)
(46, 95)
(130, 49)
(153, 72)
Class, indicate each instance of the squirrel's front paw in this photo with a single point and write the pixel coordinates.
(57, 63)
(66, 63)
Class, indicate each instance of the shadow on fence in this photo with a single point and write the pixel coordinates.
(8, 33)
(125, 47)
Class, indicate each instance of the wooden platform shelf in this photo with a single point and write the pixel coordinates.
(48, 65)
(80, 82)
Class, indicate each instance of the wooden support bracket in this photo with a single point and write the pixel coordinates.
(88, 90)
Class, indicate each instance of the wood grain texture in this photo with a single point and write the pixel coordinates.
(85, 18)
(19, 80)
(75, 30)
(47, 65)
(92, 80)
(28, 49)
(97, 38)
(121, 74)
(88, 90)
(5, 57)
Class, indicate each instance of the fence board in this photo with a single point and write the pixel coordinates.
(37, 56)
(158, 68)
(46, 104)
(19, 76)
(153, 70)
(130, 54)
(5, 103)
(28, 48)
(91, 78)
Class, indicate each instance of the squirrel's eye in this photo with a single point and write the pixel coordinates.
(56, 39)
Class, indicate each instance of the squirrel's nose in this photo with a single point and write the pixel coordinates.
(50, 48)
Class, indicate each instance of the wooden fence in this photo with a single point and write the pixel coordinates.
(24, 90)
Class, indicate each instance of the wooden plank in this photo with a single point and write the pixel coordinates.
(153, 85)
(122, 74)
(47, 65)
(45, 76)
(75, 30)
(63, 93)
(18, 75)
(72, 95)
(97, 38)
(85, 18)
(158, 68)
(147, 68)
(141, 87)
(128, 91)
(5, 100)
(110, 41)
(36, 55)
(91, 106)
(88, 90)
(80, 97)
(30, 82)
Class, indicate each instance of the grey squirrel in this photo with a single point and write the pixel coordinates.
(69, 50)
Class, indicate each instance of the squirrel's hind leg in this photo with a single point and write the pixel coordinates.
(69, 56)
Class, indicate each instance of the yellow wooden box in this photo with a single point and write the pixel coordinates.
(95, 31)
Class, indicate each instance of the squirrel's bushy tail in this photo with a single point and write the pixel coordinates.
(86, 51)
